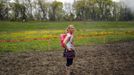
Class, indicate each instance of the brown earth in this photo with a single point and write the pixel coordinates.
(108, 59)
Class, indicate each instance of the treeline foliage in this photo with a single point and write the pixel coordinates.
(87, 10)
(102, 10)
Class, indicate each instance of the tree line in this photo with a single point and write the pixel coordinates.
(80, 10)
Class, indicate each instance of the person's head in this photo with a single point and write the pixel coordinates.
(70, 29)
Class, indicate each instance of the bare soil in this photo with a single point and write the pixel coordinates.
(108, 59)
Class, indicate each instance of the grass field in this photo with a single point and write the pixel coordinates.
(44, 36)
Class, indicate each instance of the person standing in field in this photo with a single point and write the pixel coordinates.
(69, 50)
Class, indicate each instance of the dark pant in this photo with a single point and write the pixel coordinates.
(69, 62)
(69, 54)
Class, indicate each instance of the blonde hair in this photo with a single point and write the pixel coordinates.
(69, 27)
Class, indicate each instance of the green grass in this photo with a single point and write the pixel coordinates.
(28, 36)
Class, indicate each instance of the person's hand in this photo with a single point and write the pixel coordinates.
(69, 49)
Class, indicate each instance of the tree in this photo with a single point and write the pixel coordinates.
(93, 9)
(1, 10)
(30, 9)
(19, 11)
(43, 7)
(55, 11)
(80, 9)
(4, 9)
(69, 17)
(97, 10)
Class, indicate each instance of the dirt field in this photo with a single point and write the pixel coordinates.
(109, 59)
